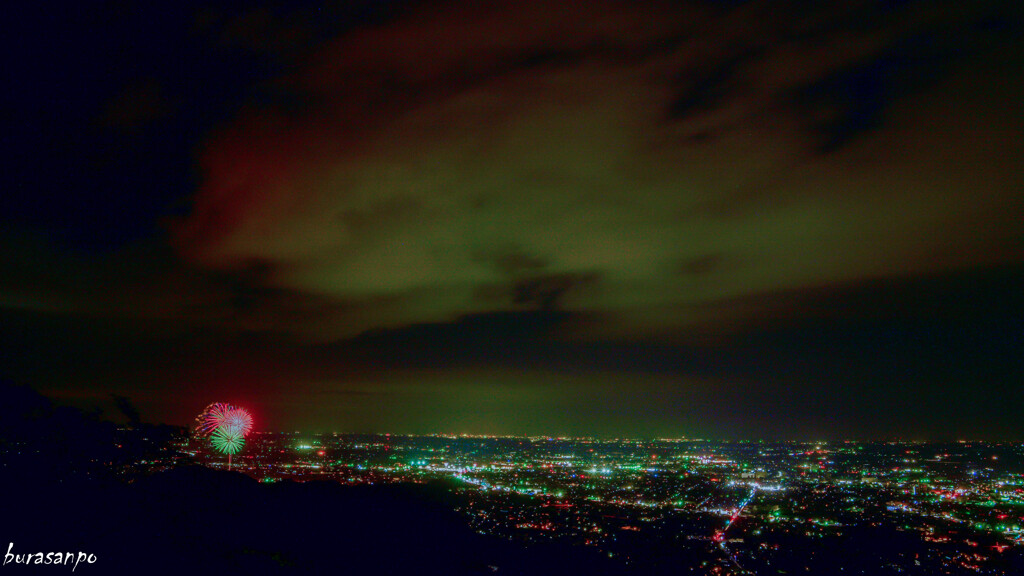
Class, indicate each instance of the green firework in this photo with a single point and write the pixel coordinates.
(227, 439)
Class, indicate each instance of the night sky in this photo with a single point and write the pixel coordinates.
(768, 219)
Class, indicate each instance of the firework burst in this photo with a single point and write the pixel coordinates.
(221, 415)
(227, 440)
(238, 420)
(226, 426)
(211, 418)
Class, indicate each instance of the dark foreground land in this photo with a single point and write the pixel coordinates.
(194, 518)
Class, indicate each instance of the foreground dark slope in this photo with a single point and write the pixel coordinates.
(222, 522)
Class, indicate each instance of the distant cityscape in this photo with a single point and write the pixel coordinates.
(704, 507)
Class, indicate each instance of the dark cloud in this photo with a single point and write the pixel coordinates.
(702, 265)
(127, 408)
(855, 99)
(547, 292)
(711, 85)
